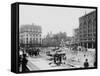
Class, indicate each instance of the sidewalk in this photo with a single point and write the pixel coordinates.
(42, 64)
(38, 63)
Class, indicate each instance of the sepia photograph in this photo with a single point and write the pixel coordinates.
(52, 38)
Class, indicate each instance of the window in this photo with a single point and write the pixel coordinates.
(84, 22)
(94, 34)
(89, 22)
(27, 40)
(89, 30)
(89, 38)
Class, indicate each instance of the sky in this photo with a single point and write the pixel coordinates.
(52, 19)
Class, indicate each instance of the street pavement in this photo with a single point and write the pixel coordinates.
(42, 64)
(74, 60)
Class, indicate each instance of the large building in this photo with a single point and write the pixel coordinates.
(87, 30)
(30, 35)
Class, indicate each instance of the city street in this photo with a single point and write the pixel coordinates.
(42, 64)
(74, 60)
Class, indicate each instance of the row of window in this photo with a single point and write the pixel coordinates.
(31, 30)
(90, 26)
(88, 35)
(30, 38)
(29, 35)
(87, 39)
(87, 32)
(27, 40)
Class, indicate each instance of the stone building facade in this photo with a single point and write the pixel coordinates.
(87, 30)
(30, 35)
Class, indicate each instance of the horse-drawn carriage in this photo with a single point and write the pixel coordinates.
(58, 57)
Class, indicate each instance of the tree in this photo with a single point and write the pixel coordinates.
(60, 36)
(55, 39)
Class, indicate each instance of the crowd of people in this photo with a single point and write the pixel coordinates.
(57, 58)
(22, 58)
(84, 59)
(33, 51)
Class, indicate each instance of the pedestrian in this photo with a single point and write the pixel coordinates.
(86, 64)
(95, 64)
(56, 58)
(84, 55)
(19, 62)
(60, 59)
(35, 52)
(38, 50)
(24, 63)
